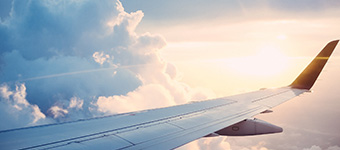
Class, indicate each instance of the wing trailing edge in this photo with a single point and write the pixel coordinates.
(308, 76)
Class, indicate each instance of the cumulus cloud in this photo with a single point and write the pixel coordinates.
(336, 147)
(76, 103)
(58, 112)
(314, 147)
(100, 57)
(138, 99)
(223, 143)
(284, 141)
(79, 59)
(16, 111)
(218, 143)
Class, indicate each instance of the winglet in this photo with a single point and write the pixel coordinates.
(308, 77)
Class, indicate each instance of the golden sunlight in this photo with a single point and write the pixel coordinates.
(267, 62)
(281, 37)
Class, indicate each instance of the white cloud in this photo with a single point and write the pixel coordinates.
(56, 111)
(315, 147)
(222, 143)
(79, 59)
(20, 95)
(5, 93)
(336, 147)
(38, 115)
(145, 97)
(100, 57)
(76, 103)
(16, 111)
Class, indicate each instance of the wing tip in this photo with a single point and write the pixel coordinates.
(309, 75)
(334, 42)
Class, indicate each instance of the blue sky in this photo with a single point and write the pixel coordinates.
(61, 61)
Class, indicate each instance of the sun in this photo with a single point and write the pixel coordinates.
(268, 61)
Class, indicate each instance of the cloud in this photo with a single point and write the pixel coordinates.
(58, 112)
(214, 144)
(79, 59)
(138, 99)
(223, 143)
(314, 147)
(336, 147)
(100, 57)
(286, 140)
(16, 111)
(76, 103)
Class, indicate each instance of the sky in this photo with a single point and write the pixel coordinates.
(67, 60)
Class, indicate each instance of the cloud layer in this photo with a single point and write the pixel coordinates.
(62, 61)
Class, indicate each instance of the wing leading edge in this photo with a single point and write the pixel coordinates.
(170, 127)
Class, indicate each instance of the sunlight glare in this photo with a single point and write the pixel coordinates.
(281, 37)
(267, 62)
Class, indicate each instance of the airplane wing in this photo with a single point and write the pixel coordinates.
(170, 127)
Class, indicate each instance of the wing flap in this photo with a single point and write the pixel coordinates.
(149, 132)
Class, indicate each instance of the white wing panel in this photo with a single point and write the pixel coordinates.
(104, 141)
(283, 95)
(145, 133)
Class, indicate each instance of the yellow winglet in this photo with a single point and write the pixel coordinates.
(308, 77)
